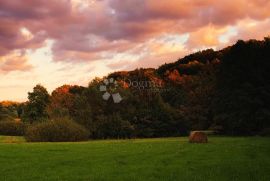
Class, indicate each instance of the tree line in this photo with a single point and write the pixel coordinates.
(226, 91)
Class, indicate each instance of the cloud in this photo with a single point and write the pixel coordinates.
(186, 15)
(250, 29)
(115, 21)
(14, 62)
(153, 53)
(207, 36)
(84, 30)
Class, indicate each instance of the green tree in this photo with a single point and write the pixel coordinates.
(38, 101)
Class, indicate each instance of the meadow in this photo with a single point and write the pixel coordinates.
(223, 158)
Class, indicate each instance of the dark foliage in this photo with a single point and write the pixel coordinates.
(12, 128)
(243, 88)
(58, 130)
(35, 108)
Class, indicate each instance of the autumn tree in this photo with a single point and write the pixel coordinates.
(61, 102)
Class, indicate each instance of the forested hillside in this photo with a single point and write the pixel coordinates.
(226, 91)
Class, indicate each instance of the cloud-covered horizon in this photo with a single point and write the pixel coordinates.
(71, 41)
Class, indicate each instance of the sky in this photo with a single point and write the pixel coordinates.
(57, 42)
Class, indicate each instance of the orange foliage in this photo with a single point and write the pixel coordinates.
(174, 75)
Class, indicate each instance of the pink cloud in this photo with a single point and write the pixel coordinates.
(250, 29)
(117, 26)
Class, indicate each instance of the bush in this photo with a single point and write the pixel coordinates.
(12, 128)
(58, 130)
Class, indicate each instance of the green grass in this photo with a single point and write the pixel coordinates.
(223, 158)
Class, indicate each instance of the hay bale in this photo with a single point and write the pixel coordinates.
(198, 137)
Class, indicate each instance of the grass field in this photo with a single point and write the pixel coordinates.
(223, 158)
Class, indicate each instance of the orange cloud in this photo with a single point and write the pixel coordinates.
(14, 62)
(205, 37)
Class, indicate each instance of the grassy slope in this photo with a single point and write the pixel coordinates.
(143, 159)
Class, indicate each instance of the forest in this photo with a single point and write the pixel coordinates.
(226, 91)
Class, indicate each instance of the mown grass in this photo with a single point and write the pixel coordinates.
(223, 158)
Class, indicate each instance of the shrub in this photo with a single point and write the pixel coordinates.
(58, 130)
(12, 128)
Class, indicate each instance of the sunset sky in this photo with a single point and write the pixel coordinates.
(56, 42)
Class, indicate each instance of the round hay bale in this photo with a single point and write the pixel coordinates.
(198, 137)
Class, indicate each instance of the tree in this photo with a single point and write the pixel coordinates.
(61, 102)
(8, 110)
(241, 103)
(1, 112)
(38, 101)
(113, 126)
(19, 110)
